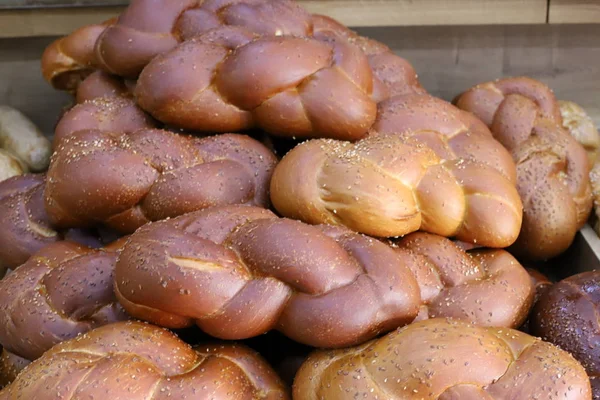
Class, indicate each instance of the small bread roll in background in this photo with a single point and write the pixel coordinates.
(10, 166)
(581, 127)
(20, 137)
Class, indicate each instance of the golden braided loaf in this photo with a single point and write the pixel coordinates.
(444, 360)
(63, 290)
(240, 271)
(552, 168)
(135, 361)
(389, 186)
(150, 175)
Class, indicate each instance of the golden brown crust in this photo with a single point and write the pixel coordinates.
(68, 60)
(153, 174)
(388, 186)
(444, 360)
(138, 361)
(449, 131)
(552, 168)
(467, 285)
(63, 290)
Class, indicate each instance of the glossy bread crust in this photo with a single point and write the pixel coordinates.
(441, 359)
(388, 186)
(153, 174)
(136, 361)
(63, 290)
(221, 268)
(567, 315)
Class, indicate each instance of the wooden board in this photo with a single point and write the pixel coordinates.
(574, 11)
(449, 60)
(356, 13)
(430, 12)
(51, 22)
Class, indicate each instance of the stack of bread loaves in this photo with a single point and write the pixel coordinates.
(385, 239)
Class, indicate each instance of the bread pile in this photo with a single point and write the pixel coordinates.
(388, 239)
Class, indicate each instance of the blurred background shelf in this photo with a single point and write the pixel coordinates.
(26, 18)
(574, 11)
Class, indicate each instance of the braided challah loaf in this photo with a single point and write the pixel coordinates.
(552, 168)
(240, 271)
(118, 114)
(68, 60)
(440, 359)
(447, 130)
(567, 315)
(150, 175)
(389, 186)
(63, 290)
(483, 286)
(136, 361)
(229, 80)
(148, 28)
(392, 75)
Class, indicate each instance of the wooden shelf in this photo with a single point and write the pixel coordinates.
(430, 12)
(574, 11)
(354, 13)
